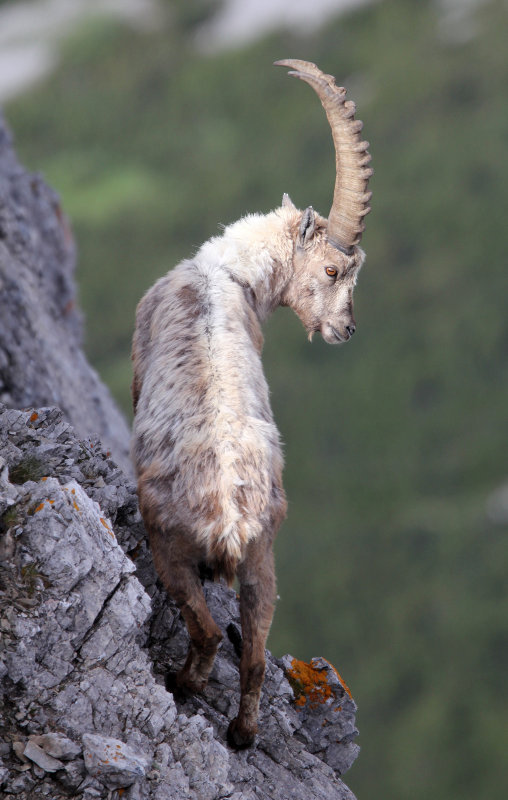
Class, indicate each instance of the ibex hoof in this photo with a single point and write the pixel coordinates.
(189, 683)
(181, 685)
(239, 736)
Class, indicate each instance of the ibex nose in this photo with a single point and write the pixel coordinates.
(351, 329)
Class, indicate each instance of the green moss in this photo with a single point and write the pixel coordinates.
(30, 575)
(28, 469)
(9, 518)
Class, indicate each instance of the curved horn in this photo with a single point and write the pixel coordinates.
(350, 197)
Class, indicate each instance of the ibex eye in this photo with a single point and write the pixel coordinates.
(331, 271)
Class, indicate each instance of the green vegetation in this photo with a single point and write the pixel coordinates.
(9, 518)
(28, 469)
(387, 564)
(32, 577)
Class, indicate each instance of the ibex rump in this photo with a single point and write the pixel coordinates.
(205, 445)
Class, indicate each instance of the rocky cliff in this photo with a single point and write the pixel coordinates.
(41, 357)
(88, 635)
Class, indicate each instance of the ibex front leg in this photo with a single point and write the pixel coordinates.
(257, 598)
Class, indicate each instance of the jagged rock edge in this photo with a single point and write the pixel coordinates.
(270, 745)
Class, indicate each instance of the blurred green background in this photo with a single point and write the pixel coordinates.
(389, 564)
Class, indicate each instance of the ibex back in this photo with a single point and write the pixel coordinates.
(205, 445)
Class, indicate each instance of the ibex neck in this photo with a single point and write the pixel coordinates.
(257, 253)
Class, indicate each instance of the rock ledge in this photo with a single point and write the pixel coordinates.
(88, 636)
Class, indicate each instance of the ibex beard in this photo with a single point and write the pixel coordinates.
(205, 446)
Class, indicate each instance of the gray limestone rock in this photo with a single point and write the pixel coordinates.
(113, 762)
(326, 709)
(89, 638)
(41, 357)
(41, 758)
(58, 746)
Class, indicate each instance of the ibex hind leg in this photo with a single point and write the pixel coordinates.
(178, 570)
(257, 599)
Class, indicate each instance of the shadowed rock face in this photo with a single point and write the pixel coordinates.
(87, 635)
(41, 357)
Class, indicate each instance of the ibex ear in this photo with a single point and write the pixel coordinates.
(307, 226)
(287, 202)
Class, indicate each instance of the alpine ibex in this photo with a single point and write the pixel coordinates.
(205, 445)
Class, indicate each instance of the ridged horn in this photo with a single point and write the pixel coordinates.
(350, 197)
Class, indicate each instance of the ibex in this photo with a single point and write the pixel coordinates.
(205, 445)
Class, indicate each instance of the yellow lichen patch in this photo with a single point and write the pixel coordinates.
(103, 521)
(341, 680)
(309, 684)
(75, 505)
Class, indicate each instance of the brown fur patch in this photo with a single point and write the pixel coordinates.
(226, 568)
(135, 391)
(189, 298)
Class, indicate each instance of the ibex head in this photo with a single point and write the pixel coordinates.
(326, 253)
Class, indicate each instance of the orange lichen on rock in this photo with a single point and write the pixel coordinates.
(308, 683)
(341, 680)
(34, 416)
(103, 521)
(39, 508)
